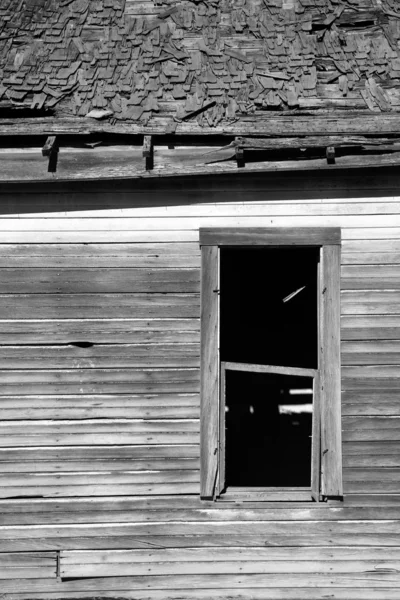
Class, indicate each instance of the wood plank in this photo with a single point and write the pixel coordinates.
(32, 428)
(73, 165)
(276, 593)
(97, 237)
(225, 202)
(170, 502)
(370, 486)
(105, 306)
(219, 529)
(117, 331)
(374, 327)
(98, 381)
(370, 258)
(330, 398)
(268, 236)
(375, 428)
(311, 229)
(371, 271)
(371, 371)
(370, 408)
(370, 384)
(371, 245)
(102, 489)
(24, 565)
(69, 570)
(104, 466)
(385, 352)
(99, 280)
(85, 542)
(93, 438)
(373, 500)
(371, 396)
(100, 356)
(173, 406)
(362, 283)
(347, 123)
(128, 515)
(286, 197)
(196, 555)
(372, 423)
(209, 372)
(372, 460)
(73, 255)
(370, 302)
(127, 452)
(165, 582)
(38, 479)
(387, 234)
(250, 368)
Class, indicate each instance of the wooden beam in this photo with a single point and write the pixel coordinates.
(148, 152)
(118, 168)
(239, 153)
(265, 236)
(356, 122)
(50, 150)
(330, 155)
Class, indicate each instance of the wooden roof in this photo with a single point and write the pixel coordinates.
(198, 66)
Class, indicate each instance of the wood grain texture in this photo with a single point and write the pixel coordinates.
(100, 356)
(99, 306)
(70, 569)
(24, 565)
(209, 385)
(102, 331)
(277, 370)
(100, 280)
(227, 593)
(165, 582)
(130, 406)
(330, 399)
(97, 381)
(257, 236)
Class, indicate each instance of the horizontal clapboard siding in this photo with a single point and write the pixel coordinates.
(25, 565)
(99, 369)
(99, 405)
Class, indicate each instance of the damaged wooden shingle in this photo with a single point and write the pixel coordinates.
(80, 56)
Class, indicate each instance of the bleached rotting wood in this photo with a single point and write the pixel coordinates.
(209, 386)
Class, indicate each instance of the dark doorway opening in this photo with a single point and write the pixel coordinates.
(268, 316)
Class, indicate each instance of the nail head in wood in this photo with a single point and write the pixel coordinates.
(330, 155)
(148, 152)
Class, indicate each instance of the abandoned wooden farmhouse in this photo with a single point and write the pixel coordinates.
(200, 299)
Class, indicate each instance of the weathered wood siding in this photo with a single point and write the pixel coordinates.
(99, 406)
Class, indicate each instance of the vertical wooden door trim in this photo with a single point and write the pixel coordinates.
(221, 441)
(331, 445)
(209, 382)
(316, 441)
